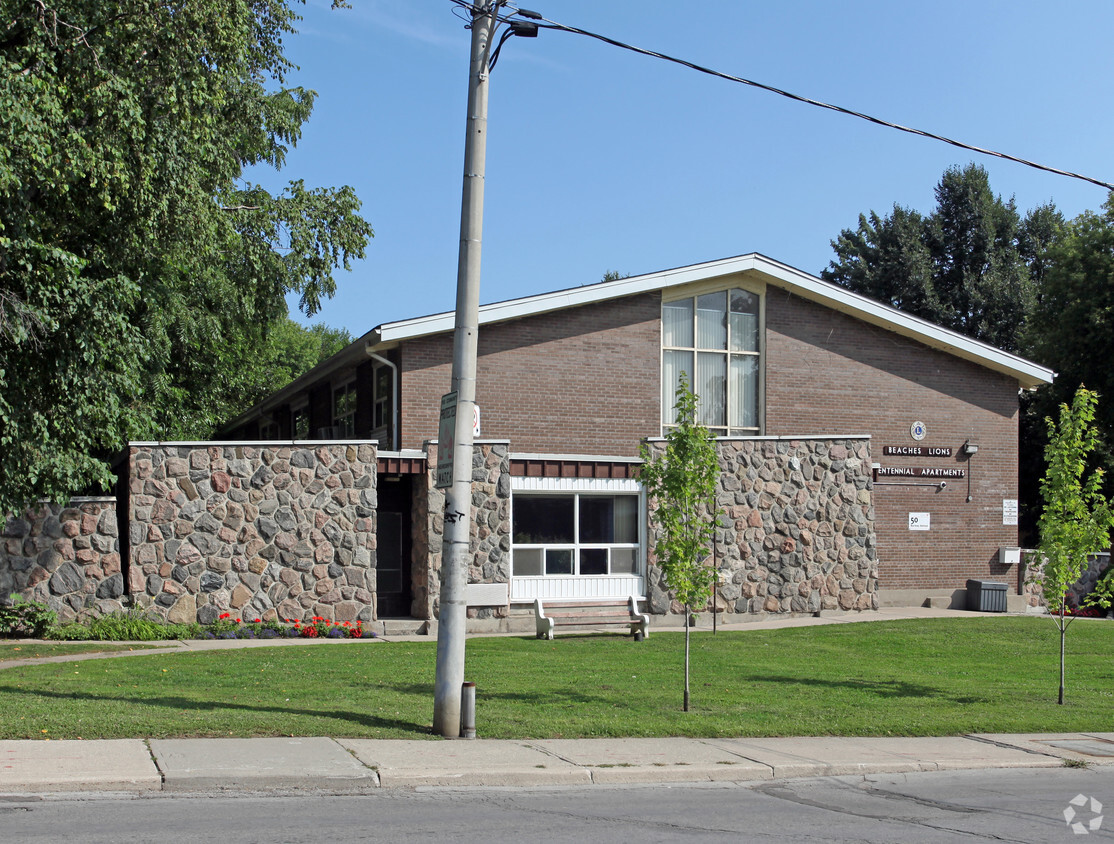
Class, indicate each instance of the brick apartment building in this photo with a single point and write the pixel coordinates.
(868, 456)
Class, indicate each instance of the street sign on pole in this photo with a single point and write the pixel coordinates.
(446, 441)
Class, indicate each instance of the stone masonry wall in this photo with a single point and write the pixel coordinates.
(67, 556)
(491, 525)
(1033, 590)
(260, 531)
(798, 532)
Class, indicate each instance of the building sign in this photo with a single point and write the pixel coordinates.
(920, 521)
(1009, 511)
(918, 431)
(916, 451)
(918, 472)
(446, 436)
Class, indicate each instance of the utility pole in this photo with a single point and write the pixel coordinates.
(453, 613)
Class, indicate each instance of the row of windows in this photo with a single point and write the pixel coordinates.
(343, 411)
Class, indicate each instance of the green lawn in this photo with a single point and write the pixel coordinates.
(931, 677)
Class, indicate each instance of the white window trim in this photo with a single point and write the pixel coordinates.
(526, 588)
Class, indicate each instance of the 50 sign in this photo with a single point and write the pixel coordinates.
(920, 521)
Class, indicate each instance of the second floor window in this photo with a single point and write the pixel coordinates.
(344, 410)
(714, 339)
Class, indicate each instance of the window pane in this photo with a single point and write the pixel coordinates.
(626, 518)
(744, 321)
(711, 387)
(676, 323)
(540, 519)
(300, 424)
(744, 391)
(527, 562)
(558, 561)
(624, 560)
(711, 321)
(597, 518)
(593, 561)
(673, 364)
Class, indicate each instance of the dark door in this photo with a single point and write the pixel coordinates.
(392, 556)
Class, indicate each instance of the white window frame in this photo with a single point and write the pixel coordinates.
(693, 292)
(525, 588)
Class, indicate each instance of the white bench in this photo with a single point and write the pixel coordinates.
(589, 612)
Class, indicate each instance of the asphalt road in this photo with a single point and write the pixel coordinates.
(995, 805)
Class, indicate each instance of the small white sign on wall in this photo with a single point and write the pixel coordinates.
(1009, 511)
(919, 521)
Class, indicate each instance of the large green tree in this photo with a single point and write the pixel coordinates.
(971, 265)
(139, 268)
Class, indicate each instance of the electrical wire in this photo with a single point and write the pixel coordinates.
(546, 23)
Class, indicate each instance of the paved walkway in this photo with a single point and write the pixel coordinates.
(326, 765)
(336, 765)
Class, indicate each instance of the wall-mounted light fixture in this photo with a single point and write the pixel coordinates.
(968, 449)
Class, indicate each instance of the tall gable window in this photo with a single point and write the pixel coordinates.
(714, 339)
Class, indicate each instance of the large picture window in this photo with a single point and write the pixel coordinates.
(714, 339)
(577, 534)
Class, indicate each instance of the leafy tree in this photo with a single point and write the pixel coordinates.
(1075, 314)
(971, 265)
(139, 269)
(681, 480)
(1077, 517)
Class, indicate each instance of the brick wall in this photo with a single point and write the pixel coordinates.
(829, 373)
(583, 380)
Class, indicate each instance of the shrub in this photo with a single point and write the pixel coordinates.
(134, 625)
(21, 617)
(72, 631)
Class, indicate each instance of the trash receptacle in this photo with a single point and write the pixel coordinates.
(986, 596)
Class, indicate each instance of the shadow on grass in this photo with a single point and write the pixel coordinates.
(879, 688)
(364, 719)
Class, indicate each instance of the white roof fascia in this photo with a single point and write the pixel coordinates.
(1030, 375)
(571, 298)
(1027, 373)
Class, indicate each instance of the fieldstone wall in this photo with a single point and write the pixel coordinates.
(1033, 590)
(797, 532)
(67, 556)
(491, 526)
(261, 531)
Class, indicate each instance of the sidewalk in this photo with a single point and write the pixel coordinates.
(337, 766)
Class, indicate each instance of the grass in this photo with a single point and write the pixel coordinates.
(923, 677)
(39, 650)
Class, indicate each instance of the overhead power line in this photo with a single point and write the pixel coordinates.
(546, 23)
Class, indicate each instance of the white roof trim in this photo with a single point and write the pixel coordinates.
(1027, 373)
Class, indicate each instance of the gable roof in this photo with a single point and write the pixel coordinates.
(1028, 374)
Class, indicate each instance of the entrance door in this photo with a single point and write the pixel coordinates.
(392, 556)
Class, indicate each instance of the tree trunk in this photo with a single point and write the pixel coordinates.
(1063, 635)
(688, 627)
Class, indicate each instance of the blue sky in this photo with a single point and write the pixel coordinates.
(600, 159)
